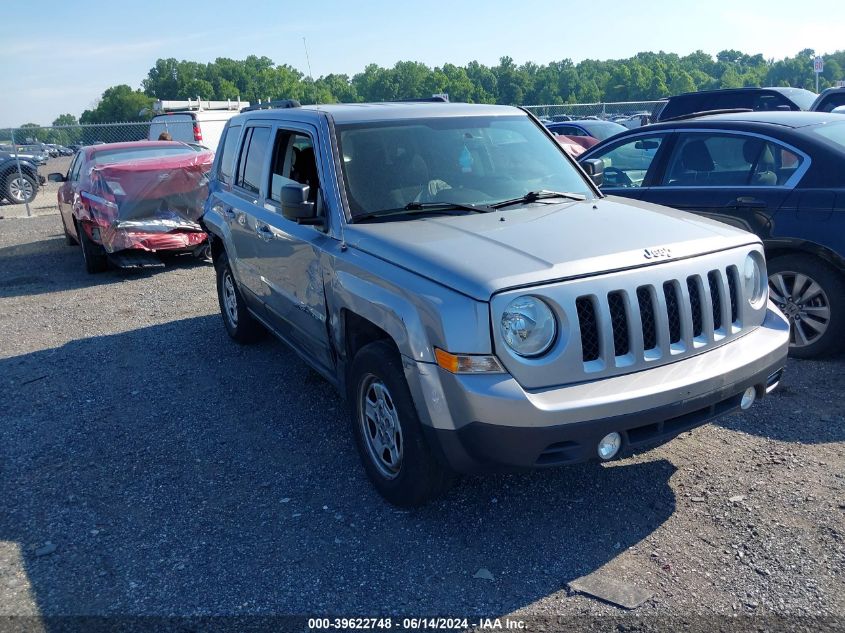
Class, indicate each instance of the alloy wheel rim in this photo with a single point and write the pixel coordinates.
(230, 299)
(20, 189)
(379, 421)
(805, 304)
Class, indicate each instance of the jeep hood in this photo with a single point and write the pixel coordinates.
(481, 254)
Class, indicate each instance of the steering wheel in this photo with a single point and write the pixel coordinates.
(618, 177)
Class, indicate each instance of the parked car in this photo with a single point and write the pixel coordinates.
(596, 129)
(732, 99)
(477, 300)
(27, 153)
(778, 174)
(18, 187)
(829, 100)
(123, 202)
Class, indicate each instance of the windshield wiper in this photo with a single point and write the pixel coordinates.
(415, 208)
(534, 196)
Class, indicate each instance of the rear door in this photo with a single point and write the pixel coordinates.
(734, 177)
(180, 126)
(246, 203)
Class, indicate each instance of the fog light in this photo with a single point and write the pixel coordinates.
(748, 398)
(609, 445)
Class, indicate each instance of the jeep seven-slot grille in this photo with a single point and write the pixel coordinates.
(675, 315)
(589, 328)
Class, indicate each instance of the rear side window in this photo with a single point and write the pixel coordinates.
(251, 162)
(831, 102)
(729, 160)
(226, 168)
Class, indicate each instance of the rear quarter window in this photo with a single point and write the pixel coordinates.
(251, 163)
(226, 168)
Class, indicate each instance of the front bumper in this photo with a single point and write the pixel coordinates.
(488, 422)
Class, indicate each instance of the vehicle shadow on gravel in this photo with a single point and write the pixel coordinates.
(179, 473)
(784, 415)
(50, 265)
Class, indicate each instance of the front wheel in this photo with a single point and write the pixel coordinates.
(812, 296)
(388, 434)
(20, 188)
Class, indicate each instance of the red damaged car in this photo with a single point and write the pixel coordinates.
(124, 202)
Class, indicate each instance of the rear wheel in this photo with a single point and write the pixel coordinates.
(93, 254)
(812, 296)
(240, 324)
(388, 434)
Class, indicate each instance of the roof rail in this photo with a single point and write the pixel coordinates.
(695, 115)
(280, 103)
(432, 99)
(174, 105)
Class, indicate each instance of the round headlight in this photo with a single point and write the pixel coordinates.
(528, 326)
(755, 285)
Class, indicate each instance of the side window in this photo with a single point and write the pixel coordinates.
(831, 102)
(770, 102)
(726, 160)
(251, 161)
(626, 165)
(294, 162)
(230, 144)
(76, 167)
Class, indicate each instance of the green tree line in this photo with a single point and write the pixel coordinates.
(643, 77)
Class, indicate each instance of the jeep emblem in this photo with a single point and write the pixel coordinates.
(656, 253)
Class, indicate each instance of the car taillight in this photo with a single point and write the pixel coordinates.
(197, 131)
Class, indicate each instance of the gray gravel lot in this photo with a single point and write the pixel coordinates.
(149, 465)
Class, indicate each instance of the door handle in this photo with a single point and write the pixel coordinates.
(748, 202)
(225, 211)
(264, 232)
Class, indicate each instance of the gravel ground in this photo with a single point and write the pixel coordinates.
(149, 465)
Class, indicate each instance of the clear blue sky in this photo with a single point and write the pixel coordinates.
(81, 48)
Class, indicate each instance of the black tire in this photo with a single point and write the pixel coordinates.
(418, 475)
(94, 255)
(239, 323)
(816, 313)
(19, 191)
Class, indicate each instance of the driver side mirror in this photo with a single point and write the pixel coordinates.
(296, 207)
(594, 167)
(56, 177)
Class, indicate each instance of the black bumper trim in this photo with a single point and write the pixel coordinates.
(480, 447)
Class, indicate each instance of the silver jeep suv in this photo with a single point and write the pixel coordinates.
(474, 296)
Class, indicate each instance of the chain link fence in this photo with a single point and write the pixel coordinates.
(42, 150)
(629, 113)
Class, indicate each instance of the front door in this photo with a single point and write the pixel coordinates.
(289, 256)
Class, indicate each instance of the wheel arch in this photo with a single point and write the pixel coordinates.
(780, 248)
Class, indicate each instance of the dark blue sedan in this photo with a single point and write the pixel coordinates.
(780, 175)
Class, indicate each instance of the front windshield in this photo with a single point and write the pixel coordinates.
(802, 98)
(104, 157)
(602, 130)
(834, 132)
(468, 160)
